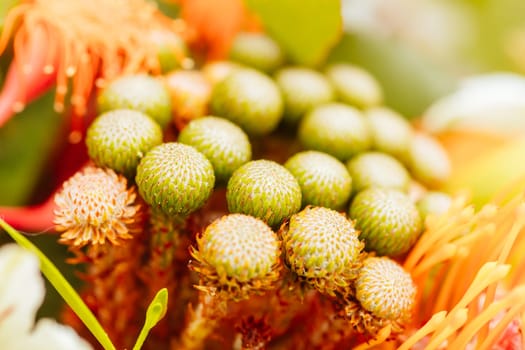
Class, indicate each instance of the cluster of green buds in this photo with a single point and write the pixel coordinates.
(333, 215)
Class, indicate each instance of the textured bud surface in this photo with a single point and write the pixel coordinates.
(324, 180)
(250, 99)
(239, 246)
(95, 205)
(257, 50)
(391, 132)
(389, 222)
(385, 289)
(222, 142)
(354, 85)
(120, 138)
(302, 90)
(336, 129)
(139, 92)
(429, 161)
(375, 169)
(175, 178)
(322, 247)
(264, 189)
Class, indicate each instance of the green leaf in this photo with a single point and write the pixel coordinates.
(410, 82)
(306, 29)
(63, 287)
(156, 311)
(5, 6)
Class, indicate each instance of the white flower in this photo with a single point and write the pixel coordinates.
(21, 294)
(490, 102)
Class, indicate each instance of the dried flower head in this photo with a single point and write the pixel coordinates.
(95, 205)
(237, 254)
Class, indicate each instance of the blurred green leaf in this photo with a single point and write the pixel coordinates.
(26, 143)
(306, 29)
(409, 81)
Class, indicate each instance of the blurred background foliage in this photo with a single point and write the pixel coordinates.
(417, 49)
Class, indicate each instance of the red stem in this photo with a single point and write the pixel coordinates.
(26, 78)
(37, 218)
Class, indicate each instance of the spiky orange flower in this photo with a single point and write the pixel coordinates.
(95, 206)
(85, 41)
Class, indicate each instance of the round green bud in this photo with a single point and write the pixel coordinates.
(257, 50)
(336, 129)
(391, 133)
(324, 180)
(376, 169)
(139, 92)
(264, 189)
(222, 142)
(354, 85)
(429, 162)
(175, 178)
(433, 202)
(120, 138)
(302, 89)
(322, 247)
(388, 220)
(385, 289)
(250, 99)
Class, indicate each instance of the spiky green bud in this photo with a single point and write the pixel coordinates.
(239, 254)
(138, 92)
(222, 142)
(354, 85)
(322, 247)
(250, 99)
(376, 169)
(388, 220)
(302, 89)
(175, 178)
(264, 189)
(120, 138)
(257, 50)
(391, 133)
(385, 289)
(336, 129)
(324, 180)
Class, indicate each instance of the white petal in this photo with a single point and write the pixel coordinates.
(50, 335)
(491, 102)
(21, 292)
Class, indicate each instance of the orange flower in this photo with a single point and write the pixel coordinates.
(85, 41)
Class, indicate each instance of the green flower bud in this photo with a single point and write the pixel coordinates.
(250, 99)
(354, 85)
(175, 178)
(321, 246)
(138, 92)
(264, 189)
(302, 89)
(324, 180)
(222, 142)
(120, 138)
(429, 161)
(257, 50)
(336, 129)
(388, 220)
(375, 169)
